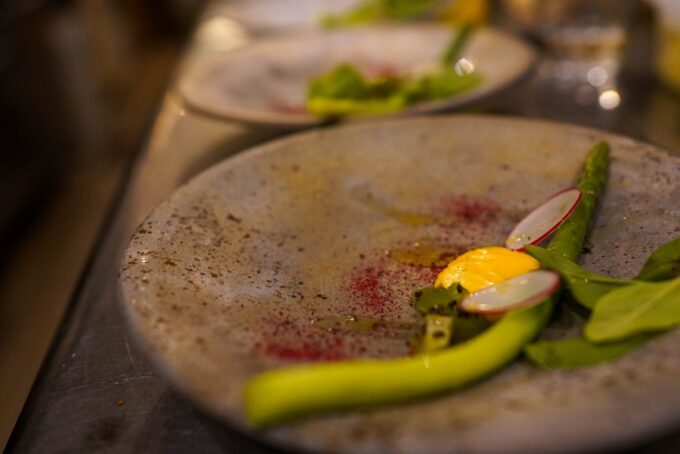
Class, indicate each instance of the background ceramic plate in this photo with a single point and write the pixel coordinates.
(264, 16)
(306, 249)
(265, 82)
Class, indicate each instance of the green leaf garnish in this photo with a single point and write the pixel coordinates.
(637, 308)
(586, 287)
(664, 263)
(345, 91)
(439, 300)
(577, 352)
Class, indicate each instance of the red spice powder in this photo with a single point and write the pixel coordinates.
(470, 209)
(374, 290)
(304, 351)
(429, 274)
(367, 283)
(385, 70)
(295, 340)
(288, 108)
(377, 288)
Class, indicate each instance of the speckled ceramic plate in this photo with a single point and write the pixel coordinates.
(266, 16)
(265, 82)
(306, 249)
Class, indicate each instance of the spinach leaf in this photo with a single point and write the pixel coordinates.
(664, 263)
(586, 287)
(577, 352)
(345, 91)
(342, 81)
(438, 85)
(637, 308)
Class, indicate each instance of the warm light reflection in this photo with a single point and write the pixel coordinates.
(609, 99)
(464, 66)
(597, 76)
(221, 33)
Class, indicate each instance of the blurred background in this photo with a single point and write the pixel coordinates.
(80, 82)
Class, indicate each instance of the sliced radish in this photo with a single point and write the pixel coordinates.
(521, 291)
(544, 219)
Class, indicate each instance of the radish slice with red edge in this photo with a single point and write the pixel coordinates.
(522, 291)
(544, 219)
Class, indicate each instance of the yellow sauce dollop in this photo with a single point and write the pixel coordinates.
(486, 266)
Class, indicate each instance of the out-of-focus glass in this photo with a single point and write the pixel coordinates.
(668, 55)
(520, 14)
(586, 37)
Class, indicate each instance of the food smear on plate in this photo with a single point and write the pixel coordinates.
(284, 394)
(345, 90)
(455, 210)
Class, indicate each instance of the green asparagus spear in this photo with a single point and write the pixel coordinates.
(438, 333)
(569, 238)
(456, 44)
(281, 395)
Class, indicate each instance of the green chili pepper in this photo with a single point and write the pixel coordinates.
(280, 395)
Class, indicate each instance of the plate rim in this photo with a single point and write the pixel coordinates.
(297, 121)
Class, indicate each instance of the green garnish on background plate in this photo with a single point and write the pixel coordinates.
(378, 10)
(345, 91)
